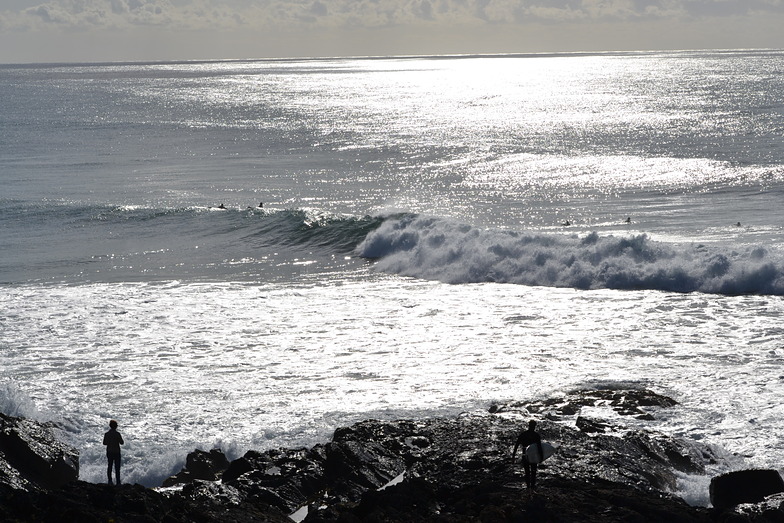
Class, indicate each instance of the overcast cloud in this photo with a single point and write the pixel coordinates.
(31, 30)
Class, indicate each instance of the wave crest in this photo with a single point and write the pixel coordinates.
(443, 250)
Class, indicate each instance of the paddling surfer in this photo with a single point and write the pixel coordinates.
(529, 437)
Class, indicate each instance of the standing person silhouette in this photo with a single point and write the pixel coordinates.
(112, 439)
(529, 437)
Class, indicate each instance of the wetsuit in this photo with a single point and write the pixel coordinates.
(529, 437)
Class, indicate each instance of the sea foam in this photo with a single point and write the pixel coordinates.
(15, 402)
(448, 251)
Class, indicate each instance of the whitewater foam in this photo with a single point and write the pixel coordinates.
(16, 402)
(452, 252)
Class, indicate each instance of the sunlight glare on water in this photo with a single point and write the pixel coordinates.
(192, 366)
(129, 293)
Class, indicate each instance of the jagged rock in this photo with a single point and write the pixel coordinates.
(31, 458)
(81, 502)
(463, 474)
(237, 468)
(365, 456)
(592, 425)
(283, 478)
(625, 402)
(744, 486)
(396, 503)
(673, 452)
(770, 510)
(200, 465)
(445, 470)
(212, 493)
(206, 465)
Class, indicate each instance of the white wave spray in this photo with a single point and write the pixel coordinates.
(451, 252)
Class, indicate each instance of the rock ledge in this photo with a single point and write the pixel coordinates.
(444, 469)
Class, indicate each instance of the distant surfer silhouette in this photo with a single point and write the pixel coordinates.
(112, 439)
(567, 223)
(221, 206)
(529, 437)
(629, 219)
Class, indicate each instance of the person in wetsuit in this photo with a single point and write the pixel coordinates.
(529, 437)
(112, 439)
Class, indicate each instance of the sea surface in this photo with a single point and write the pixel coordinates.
(249, 254)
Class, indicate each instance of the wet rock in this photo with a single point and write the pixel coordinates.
(770, 510)
(206, 465)
(464, 474)
(366, 456)
(638, 403)
(744, 486)
(212, 493)
(592, 425)
(31, 458)
(237, 468)
(444, 470)
(670, 452)
(283, 478)
(202, 465)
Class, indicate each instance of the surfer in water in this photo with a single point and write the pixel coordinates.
(112, 439)
(529, 437)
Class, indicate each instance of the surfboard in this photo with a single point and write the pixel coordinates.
(532, 452)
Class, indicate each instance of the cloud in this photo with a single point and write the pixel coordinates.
(82, 14)
(202, 14)
(61, 30)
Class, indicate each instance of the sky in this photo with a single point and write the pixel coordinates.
(139, 30)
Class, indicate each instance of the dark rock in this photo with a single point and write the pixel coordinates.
(771, 510)
(358, 464)
(211, 493)
(592, 425)
(237, 468)
(80, 502)
(200, 465)
(206, 465)
(464, 474)
(744, 486)
(416, 495)
(671, 452)
(283, 478)
(31, 458)
(444, 470)
(257, 487)
(38, 483)
(625, 402)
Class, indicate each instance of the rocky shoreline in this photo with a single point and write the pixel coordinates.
(443, 469)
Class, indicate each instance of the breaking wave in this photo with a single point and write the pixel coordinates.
(444, 250)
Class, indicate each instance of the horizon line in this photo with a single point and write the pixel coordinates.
(448, 56)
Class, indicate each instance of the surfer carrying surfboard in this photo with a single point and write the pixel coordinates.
(526, 439)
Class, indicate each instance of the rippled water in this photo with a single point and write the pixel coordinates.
(126, 294)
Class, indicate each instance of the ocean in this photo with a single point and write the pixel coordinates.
(249, 254)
